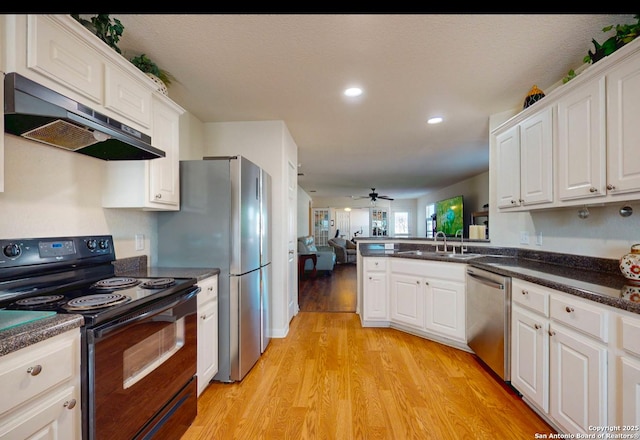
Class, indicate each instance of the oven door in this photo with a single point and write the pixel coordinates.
(138, 364)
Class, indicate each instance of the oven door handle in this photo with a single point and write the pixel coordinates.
(137, 317)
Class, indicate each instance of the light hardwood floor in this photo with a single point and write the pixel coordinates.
(330, 378)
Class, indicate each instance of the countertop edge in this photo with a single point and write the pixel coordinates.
(24, 335)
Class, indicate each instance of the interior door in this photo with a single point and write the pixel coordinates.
(343, 223)
(292, 215)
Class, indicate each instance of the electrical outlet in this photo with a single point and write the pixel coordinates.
(524, 237)
(139, 242)
(539, 239)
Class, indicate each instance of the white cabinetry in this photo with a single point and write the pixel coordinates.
(530, 342)
(595, 134)
(628, 362)
(524, 162)
(149, 184)
(581, 142)
(41, 388)
(429, 296)
(559, 355)
(207, 331)
(375, 290)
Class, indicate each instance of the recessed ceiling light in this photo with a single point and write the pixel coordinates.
(435, 120)
(353, 91)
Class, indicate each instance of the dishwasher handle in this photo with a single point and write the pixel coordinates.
(486, 281)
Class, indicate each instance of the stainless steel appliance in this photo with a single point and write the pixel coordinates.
(139, 338)
(489, 319)
(224, 222)
(38, 113)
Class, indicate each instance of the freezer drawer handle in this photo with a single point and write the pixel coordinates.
(486, 281)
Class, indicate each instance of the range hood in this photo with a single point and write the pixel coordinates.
(38, 113)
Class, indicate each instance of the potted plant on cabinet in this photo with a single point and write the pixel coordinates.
(107, 29)
(158, 75)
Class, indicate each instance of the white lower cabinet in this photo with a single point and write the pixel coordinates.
(425, 297)
(559, 356)
(375, 296)
(41, 390)
(627, 357)
(207, 331)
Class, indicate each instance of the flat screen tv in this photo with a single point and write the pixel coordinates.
(450, 215)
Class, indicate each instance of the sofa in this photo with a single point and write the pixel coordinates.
(325, 254)
(345, 250)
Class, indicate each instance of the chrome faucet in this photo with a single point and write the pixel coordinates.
(435, 239)
(463, 248)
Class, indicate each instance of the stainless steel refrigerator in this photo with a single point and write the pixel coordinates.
(224, 222)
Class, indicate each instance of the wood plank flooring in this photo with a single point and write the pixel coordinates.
(332, 379)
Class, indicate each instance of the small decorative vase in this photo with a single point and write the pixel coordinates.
(534, 95)
(630, 265)
(631, 292)
(162, 88)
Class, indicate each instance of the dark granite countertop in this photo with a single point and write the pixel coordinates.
(22, 336)
(595, 279)
(137, 267)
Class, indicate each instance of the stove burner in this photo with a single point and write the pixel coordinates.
(159, 283)
(97, 301)
(116, 283)
(39, 300)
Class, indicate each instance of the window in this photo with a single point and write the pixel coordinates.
(400, 223)
(430, 216)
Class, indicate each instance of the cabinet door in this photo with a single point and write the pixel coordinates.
(56, 416)
(623, 130)
(577, 381)
(630, 388)
(530, 356)
(581, 142)
(407, 300)
(127, 97)
(536, 158)
(445, 308)
(207, 344)
(375, 296)
(508, 168)
(164, 184)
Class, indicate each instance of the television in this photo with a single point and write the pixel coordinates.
(450, 216)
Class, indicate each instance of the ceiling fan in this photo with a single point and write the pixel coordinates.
(373, 195)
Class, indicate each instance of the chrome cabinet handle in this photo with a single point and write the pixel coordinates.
(203, 317)
(552, 333)
(70, 404)
(569, 309)
(34, 371)
(611, 187)
(513, 202)
(537, 326)
(593, 190)
(158, 196)
(525, 292)
(210, 288)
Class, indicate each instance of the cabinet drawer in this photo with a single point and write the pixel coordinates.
(584, 317)
(530, 296)
(375, 264)
(208, 290)
(37, 368)
(630, 335)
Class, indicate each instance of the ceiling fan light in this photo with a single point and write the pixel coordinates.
(434, 120)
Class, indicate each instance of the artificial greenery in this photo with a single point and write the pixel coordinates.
(143, 63)
(107, 29)
(625, 33)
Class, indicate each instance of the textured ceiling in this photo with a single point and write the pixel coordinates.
(294, 68)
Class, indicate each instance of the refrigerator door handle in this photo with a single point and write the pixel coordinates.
(257, 188)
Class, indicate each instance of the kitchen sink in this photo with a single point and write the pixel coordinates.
(439, 254)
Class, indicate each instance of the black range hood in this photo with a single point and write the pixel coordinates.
(38, 113)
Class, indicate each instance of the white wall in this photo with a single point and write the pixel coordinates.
(50, 192)
(270, 145)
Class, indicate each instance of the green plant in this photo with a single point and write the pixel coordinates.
(104, 27)
(625, 33)
(143, 63)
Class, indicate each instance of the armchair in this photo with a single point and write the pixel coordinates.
(345, 250)
(325, 254)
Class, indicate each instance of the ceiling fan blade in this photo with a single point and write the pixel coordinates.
(385, 197)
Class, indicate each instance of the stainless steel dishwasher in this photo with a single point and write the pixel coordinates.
(489, 319)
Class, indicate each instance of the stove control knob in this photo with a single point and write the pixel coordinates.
(11, 250)
(92, 244)
(103, 244)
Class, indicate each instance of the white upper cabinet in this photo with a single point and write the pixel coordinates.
(524, 155)
(623, 129)
(581, 142)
